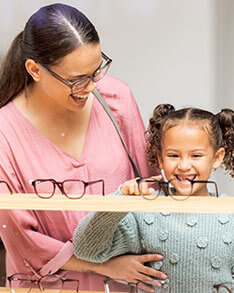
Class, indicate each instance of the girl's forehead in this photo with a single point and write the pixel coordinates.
(186, 135)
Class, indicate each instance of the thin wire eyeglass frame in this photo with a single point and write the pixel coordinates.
(163, 186)
(60, 185)
(102, 70)
(27, 278)
(135, 285)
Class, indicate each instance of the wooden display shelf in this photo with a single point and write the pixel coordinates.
(119, 203)
(24, 290)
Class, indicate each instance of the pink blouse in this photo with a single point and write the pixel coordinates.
(40, 241)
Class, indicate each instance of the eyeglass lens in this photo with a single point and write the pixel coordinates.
(174, 188)
(124, 286)
(119, 286)
(47, 282)
(81, 84)
(224, 288)
(20, 280)
(46, 188)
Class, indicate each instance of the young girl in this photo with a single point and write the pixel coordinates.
(198, 249)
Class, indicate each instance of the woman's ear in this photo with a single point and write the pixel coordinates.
(33, 69)
(218, 158)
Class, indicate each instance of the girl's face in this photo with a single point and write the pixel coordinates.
(188, 153)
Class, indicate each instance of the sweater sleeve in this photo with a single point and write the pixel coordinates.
(103, 235)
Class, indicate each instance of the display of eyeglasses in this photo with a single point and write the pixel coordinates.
(169, 202)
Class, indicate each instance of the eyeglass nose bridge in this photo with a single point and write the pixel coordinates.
(60, 187)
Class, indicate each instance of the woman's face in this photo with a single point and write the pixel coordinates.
(188, 153)
(82, 62)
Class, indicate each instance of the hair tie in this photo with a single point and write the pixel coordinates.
(170, 111)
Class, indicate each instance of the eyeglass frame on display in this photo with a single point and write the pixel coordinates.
(8, 186)
(133, 284)
(38, 281)
(61, 188)
(224, 286)
(88, 78)
(164, 186)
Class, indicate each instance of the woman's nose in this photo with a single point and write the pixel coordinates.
(90, 86)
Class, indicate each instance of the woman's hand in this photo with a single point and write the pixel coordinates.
(130, 187)
(132, 268)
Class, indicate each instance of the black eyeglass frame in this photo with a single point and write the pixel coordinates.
(61, 188)
(38, 281)
(71, 84)
(164, 186)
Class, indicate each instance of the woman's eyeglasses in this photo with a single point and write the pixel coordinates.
(71, 188)
(45, 282)
(79, 85)
(178, 189)
(121, 286)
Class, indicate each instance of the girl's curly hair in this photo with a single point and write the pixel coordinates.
(219, 128)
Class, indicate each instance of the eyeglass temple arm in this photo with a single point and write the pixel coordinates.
(204, 181)
(8, 186)
(97, 181)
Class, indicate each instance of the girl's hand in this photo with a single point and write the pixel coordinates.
(130, 187)
(132, 268)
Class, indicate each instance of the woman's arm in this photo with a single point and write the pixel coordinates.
(128, 267)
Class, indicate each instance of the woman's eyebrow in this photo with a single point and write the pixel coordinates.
(84, 75)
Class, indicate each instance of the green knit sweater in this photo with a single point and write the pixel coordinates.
(198, 249)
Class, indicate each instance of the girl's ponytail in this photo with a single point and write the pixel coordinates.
(226, 121)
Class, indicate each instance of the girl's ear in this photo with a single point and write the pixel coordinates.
(218, 158)
(33, 69)
(159, 157)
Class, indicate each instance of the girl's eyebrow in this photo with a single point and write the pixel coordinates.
(193, 150)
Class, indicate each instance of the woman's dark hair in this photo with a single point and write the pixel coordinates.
(50, 34)
(219, 127)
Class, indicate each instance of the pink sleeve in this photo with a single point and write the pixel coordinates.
(19, 230)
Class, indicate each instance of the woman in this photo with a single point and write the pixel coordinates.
(53, 127)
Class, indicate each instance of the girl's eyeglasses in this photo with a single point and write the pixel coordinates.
(177, 189)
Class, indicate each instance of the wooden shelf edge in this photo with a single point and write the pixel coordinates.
(118, 203)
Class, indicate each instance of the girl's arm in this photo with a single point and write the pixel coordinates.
(102, 236)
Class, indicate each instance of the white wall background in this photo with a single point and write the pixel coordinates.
(179, 52)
